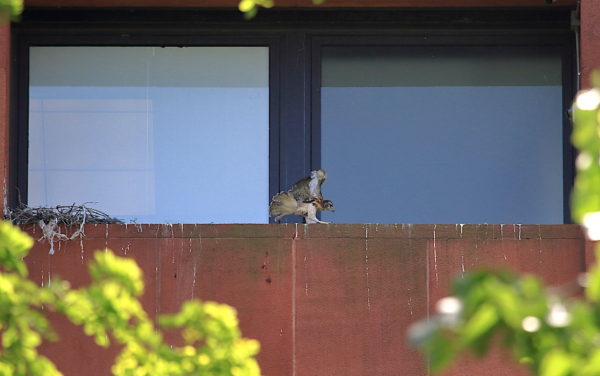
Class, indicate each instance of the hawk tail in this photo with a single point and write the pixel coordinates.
(282, 204)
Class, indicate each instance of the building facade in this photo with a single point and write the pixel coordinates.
(431, 111)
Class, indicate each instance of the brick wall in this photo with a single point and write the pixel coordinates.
(321, 299)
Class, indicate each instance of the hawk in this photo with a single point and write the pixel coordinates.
(304, 198)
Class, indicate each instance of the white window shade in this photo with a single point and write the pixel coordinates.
(177, 135)
(442, 134)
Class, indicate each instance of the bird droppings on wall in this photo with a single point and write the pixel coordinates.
(306, 275)
(331, 292)
(106, 237)
(194, 281)
(435, 265)
(81, 247)
(367, 267)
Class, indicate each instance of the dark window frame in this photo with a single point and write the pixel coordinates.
(294, 39)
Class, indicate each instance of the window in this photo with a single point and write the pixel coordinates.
(202, 119)
(447, 134)
(151, 134)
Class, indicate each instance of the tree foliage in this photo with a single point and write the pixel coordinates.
(250, 7)
(551, 331)
(109, 310)
(10, 9)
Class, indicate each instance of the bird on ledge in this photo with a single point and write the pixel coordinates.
(304, 198)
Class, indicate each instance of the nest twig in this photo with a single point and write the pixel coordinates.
(48, 219)
(67, 215)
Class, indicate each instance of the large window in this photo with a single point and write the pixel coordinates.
(415, 117)
(455, 134)
(151, 134)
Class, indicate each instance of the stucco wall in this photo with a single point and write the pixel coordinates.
(321, 299)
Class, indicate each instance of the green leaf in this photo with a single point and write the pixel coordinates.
(479, 324)
(439, 351)
(556, 363)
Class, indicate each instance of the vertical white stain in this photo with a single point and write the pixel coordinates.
(194, 281)
(5, 197)
(158, 294)
(520, 231)
(294, 298)
(540, 243)
(106, 237)
(502, 241)
(462, 264)
(306, 275)
(461, 229)
(367, 266)
(81, 246)
(435, 256)
(427, 287)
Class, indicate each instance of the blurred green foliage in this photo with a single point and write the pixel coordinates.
(10, 9)
(250, 7)
(554, 332)
(109, 310)
(585, 199)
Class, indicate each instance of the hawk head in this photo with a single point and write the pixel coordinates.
(319, 174)
(328, 205)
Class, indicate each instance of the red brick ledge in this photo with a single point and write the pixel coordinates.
(301, 231)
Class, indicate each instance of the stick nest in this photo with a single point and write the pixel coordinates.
(61, 215)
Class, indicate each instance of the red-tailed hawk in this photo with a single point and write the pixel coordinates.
(304, 198)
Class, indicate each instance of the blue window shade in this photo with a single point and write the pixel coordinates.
(176, 135)
(442, 134)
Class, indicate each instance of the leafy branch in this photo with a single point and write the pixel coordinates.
(250, 7)
(109, 310)
(10, 9)
(555, 332)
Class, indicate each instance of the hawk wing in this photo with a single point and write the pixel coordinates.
(309, 187)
